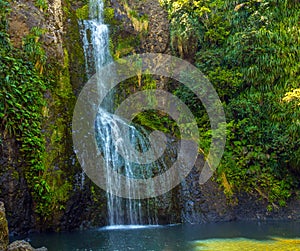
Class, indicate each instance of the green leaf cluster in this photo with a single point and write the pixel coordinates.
(250, 52)
(83, 12)
(21, 106)
(41, 4)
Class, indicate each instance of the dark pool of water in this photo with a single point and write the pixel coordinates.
(161, 238)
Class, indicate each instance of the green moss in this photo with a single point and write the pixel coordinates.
(73, 45)
(133, 14)
(124, 46)
(65, 89)
(66, 11)
(109, 16)
(83, 12)
(61, 113)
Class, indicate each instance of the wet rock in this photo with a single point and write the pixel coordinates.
(23, 246)
(3, 228)
(20, 246)
(41, 249)
(15, 192)
(156, 37)
(25, 15)
(4, 236)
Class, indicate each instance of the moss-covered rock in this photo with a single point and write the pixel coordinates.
(146, 21)
(3, 228)
(57, 180)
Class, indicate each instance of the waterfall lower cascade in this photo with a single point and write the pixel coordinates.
(95, 37)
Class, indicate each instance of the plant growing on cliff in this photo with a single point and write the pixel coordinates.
(33, 48)
(41, 4)
(20, 112)
(21, 94)
(4, 38)
(83, 12)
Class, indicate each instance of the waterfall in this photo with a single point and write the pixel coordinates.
(110, 129)
(95, 36)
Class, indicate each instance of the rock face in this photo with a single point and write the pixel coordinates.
(71, 191)
(155, 37)
(3, 228)
(4, 237)
(25, 15)
(15, 192)
(149, 24)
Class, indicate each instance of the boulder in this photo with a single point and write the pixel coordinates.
(23, 246)
(20, 246)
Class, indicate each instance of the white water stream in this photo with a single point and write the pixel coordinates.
(110, 130)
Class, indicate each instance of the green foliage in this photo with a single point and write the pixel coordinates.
(139, 22)
(249, 50)
(83, 12)
(21, 109)
(4, 39)
(109, 16)
(123, 46)
(134, 14)
(33, 49)
(187, 24)
(41, 4)
(153, 120)
(150, 119)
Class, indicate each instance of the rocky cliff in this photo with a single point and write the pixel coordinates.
(73, 202)
(51, 29)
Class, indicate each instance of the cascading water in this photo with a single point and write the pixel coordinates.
(95, 36)
(109, 134)
(110, 129)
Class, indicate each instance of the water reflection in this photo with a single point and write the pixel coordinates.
(252, 235)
